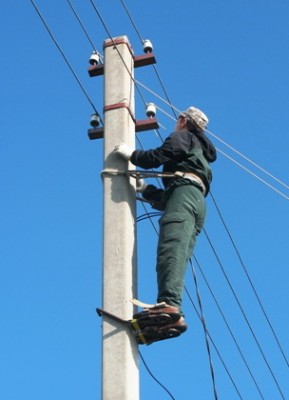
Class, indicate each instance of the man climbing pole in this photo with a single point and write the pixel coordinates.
(186, 154)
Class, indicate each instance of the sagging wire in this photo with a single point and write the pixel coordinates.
(226, 144)
(148, 216)
(154, 378)
(250, 280)
(154, 67)
(227, 325)
(253, 174)
(248, 159)
(65, 58)
(83, 28)
(244, 315)
(214, 345)
(203, 321)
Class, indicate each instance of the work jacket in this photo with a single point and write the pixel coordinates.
(183, 151)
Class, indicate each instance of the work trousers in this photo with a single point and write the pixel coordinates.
(182, 221)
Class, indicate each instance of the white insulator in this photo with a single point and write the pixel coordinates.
(95, 120)
(147, 46)
(151, 110)
(94, 58)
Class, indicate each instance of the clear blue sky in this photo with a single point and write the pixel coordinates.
(229, 58)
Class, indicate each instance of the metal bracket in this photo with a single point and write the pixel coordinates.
(139, 61)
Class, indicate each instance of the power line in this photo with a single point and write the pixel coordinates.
(245, 317)
(250, 280)
(64, 57)
(154, 67)
(215, 347)
(203, 321)
(253, 174)
(82, 25)
(154, 378)
(249, 160)
(228, 327)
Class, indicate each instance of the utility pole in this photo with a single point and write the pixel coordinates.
(120, 364)
(120, 380)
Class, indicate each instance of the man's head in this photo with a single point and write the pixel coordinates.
(194, 119)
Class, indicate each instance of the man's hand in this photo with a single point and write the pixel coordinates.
(140, 185)
(124, 151)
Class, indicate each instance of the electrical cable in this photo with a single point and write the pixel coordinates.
(83, 27)
(253, 174)
(228, 327)
(248, 159)
(250, 280)
(148, 216)
(214, 345)
(244, 315)
(154, 378)
(203, 321)
(64, 57)
(155, 68)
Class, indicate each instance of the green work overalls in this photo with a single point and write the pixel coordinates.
(182, 221)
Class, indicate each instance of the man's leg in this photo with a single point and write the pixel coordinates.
(177, 228)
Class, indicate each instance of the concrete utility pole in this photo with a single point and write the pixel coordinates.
(120, 374)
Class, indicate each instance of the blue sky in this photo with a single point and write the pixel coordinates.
(229, 58)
